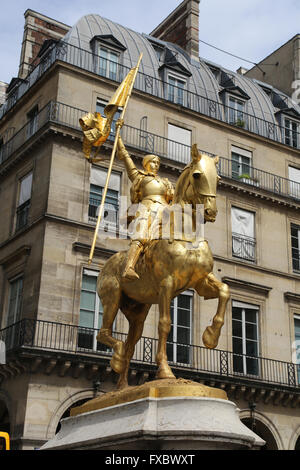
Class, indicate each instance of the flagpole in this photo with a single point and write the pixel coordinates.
(118, 127)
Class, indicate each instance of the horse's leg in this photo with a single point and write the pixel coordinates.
(211, 288)
(110, 294)
(136, 319)
(164, 326)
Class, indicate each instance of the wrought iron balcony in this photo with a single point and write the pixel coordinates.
(243, 247)
(201, 104)
(43, 336)
(68, 116)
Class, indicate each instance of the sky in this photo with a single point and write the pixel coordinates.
(250, 29)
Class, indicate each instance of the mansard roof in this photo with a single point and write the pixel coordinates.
(202, 81)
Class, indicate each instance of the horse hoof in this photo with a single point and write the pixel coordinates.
(164, 373)
(210, 338)
(118, 364)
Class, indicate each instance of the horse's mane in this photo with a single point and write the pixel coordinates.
(181, 186)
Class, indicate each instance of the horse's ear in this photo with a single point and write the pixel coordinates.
(196, 156)
(216, 159)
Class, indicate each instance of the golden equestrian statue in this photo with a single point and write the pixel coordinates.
(157, 270)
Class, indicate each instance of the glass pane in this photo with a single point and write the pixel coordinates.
(238, 364)
(251, 331)
(183, 317)
(184, 301)
(183, 354)
(86, 319)
(250, 315)
(89, 282)
(237, 345)
(252, 366)
(237, 329)
(170, 352)
(87, 300)
(237, 313)
(183, 335)
(251, 348)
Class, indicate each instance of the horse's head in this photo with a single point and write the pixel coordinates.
(203, 180)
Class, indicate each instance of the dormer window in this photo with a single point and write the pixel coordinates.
(108, 63)
(291, 132)
(236, 112)
(108, 53)
(176, 87)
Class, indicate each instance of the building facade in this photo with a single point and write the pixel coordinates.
(49, 310)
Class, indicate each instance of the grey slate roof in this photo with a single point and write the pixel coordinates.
(202, 80)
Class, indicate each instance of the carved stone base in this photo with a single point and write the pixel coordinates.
(159, 416)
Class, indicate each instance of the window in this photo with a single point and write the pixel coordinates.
(241, 164)
(243, 234)
(179, 143)
(297, 343)
(178, 347)
(100, 105)
(14, 301)
(108, 63)
(32, 124)
(14, 311)
(245, 338)
(295, 238)
(24, 201)
(111, 207)
(294, 183)
(291, 132)
(91, 312)
(236, 112)
(176, 88)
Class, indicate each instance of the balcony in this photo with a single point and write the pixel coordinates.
(36, 338)
(147, 142)
(243, 247)
(87, 61)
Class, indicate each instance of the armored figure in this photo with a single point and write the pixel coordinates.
(150, 190)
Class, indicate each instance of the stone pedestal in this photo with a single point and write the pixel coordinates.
(182, 415)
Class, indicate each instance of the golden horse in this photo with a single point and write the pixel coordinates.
(166, 269)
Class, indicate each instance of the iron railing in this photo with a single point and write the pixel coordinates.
(243, 247)
(88, 61)
(62, 114)
(42, 335)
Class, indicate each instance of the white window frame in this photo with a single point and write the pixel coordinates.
(244, 242)
(289, 138)
(18, 305)
(242, 153)
(175, 326)
(24, 199)
(243, 306)
(177, 149)
(114, 182)
(177, 79)
(297, 347)
(110, 51)
(233, 111)
(294, 181)
(90, 272)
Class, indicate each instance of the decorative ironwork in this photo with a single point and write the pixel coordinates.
(147, 353)
(224, 363)
(51, 336)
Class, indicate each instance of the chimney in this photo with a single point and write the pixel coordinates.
(37, 29)
(182, 27)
